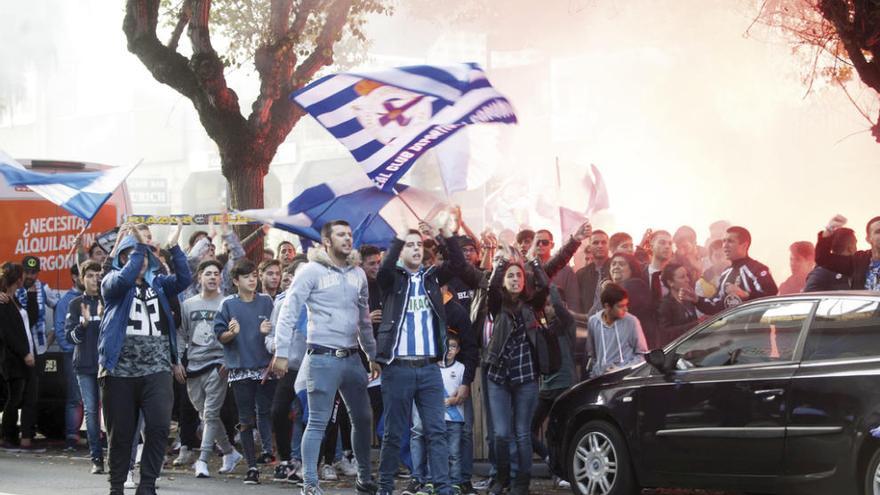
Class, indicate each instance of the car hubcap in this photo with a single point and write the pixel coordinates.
(595, 464)
(876, 483)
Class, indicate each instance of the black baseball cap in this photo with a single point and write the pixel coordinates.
(31, 263)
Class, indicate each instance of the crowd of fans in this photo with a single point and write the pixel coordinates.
(301, 360)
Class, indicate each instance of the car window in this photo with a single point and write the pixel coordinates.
(844, 328)
(755, 334)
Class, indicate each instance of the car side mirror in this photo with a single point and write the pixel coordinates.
(662, 362)
(657, 359)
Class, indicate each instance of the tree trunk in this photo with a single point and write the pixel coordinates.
(245, 177)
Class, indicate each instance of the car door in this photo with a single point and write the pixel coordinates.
(834, 395)
(721, 412)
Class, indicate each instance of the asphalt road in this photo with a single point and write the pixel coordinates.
(58, 472)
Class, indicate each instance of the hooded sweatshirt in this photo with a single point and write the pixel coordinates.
(337, 300)
(120, 291)
(622, 344)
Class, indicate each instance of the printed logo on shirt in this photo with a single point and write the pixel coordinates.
(327, 281)
(203, 331)
(352, 279)
(417, 304)
(144, 317)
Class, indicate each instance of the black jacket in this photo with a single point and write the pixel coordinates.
(854, 266)
(544, 351)
(85, 338)
(13, 342)
(459, 324)
(394, 284)
(822, 279)
(753, 276)
(589, 282)
(674, 318)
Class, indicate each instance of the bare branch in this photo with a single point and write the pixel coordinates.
(182, 21)
(329, 35)
(206, 64)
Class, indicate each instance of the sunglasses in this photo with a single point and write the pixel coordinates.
(543, 242)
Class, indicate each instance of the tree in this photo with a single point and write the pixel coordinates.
(842, 37)
(288, 41)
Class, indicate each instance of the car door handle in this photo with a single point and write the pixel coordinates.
(770, 393)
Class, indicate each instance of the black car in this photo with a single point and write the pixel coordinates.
(778, 395)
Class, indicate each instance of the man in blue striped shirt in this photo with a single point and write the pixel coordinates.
(410, 342)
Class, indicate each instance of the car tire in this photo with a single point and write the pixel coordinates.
(599, 463)
(872, 475)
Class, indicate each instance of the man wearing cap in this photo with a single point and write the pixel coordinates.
(34, 296)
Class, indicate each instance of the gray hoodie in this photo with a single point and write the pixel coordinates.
(620, 345)
(337, 300)
(297, 350)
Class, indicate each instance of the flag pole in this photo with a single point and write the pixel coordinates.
(78, 239)
(559, 197)
(408, 207)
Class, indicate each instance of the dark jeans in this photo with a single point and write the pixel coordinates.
(331, 434)
(545, 402)
(21, 393)
(250, 394)
(283, 414)
(376, 406)
(401, 386)
(73, 407)
(123, 398)
(187, 417)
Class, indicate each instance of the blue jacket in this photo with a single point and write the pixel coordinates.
(61, 312)
(118, 291)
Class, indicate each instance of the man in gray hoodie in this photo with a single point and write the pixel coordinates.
(205, 382)
(615, 339)
(337, 297)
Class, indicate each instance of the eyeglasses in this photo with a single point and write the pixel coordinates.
(543, 242)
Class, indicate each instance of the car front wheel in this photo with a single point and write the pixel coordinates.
(872, 475)
(598, 461)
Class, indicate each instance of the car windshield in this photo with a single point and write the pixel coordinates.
(754, 334)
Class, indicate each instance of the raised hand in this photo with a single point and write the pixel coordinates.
(426, 230)
(86, 313)
(835, 223)
(583, 232)
(174, 238)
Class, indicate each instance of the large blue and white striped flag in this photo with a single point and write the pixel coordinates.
(81, 193)
(388, 119)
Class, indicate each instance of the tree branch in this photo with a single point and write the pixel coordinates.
(206, 64)
(279, 14)
(837, 13)
(182, 21)
(323, 53)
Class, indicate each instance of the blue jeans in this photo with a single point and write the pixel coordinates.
(73, 413)
(326, 375)
(521, 399)
(454, 435)
(88, 388)
(490, 434)
(401, 386)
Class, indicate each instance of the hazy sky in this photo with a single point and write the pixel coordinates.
(688, 119)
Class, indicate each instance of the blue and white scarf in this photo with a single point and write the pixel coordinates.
(39, 330)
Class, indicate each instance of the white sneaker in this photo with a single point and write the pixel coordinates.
(129, 482)
(299, 469)
(561, 483)
(346, 467)
(185, 458)
(201, 469)
(140, 451)
(328, 473)
(230, 460)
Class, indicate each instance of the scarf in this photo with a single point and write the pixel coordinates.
(39, 330)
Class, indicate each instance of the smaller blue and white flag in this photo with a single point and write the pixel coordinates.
(375, 216)
(388, 119)
(81, 193)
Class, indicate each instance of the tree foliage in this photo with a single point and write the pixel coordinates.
(841, 39)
